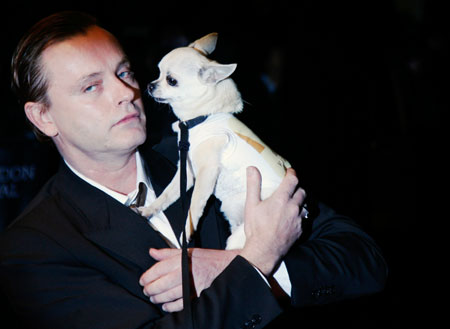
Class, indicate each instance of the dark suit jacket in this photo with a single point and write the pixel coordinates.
(73, 260)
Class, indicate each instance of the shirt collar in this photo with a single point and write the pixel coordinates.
(141, 176)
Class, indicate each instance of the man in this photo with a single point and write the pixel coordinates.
(78, 257)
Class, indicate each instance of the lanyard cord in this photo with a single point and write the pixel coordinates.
(183, 147)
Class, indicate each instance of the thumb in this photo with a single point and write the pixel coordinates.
(253, 186)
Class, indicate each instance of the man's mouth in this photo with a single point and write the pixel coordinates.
(128, 118)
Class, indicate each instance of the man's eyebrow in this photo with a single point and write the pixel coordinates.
(124, 62)
(88, 78)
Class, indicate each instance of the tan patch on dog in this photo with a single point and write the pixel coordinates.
(276, 162)
(257, 146)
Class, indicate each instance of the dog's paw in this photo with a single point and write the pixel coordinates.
(147, 212)
(237, 239)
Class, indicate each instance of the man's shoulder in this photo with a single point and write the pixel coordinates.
(160, 153)
(43, 203)
(164, 152)
(28, 228)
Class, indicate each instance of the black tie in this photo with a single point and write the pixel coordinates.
(139, 201)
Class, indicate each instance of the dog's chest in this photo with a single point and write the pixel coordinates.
(243, 149)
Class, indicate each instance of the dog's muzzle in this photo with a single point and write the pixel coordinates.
(150, 88)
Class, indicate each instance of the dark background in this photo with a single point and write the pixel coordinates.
(360, 98)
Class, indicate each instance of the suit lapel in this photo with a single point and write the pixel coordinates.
(128, 236)
(109, 224)
(117, 229)
(160, 179)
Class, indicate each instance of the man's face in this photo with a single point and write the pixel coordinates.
(95, 103)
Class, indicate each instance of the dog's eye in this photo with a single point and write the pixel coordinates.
(171, 81)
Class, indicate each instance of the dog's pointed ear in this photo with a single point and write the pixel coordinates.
(207, 44)
(214, 72)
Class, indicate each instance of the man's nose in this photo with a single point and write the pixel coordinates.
(124, 91)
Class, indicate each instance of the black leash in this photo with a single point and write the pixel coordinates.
(183, 146)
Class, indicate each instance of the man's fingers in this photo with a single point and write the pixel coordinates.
(253, 186)
(160, 254)
(290, 182)
(168, 296)
(175, 306)
(299, 197)
(163, 284)
(161, 268)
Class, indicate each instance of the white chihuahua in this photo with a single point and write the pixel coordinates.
(221, 147)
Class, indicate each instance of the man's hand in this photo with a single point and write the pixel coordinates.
(272, 225)
(163, 283)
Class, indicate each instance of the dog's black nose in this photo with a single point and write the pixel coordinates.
(150, 87)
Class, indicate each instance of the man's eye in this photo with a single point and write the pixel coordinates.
(90, 88)
(126, 75)
(171, 81)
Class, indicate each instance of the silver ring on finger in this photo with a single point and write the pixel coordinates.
(305, 211)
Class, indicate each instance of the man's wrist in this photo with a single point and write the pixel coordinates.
(263, 261)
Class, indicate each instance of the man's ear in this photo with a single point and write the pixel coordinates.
(39, 116)
(213, 72)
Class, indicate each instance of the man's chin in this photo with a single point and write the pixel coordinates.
(132, 139)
